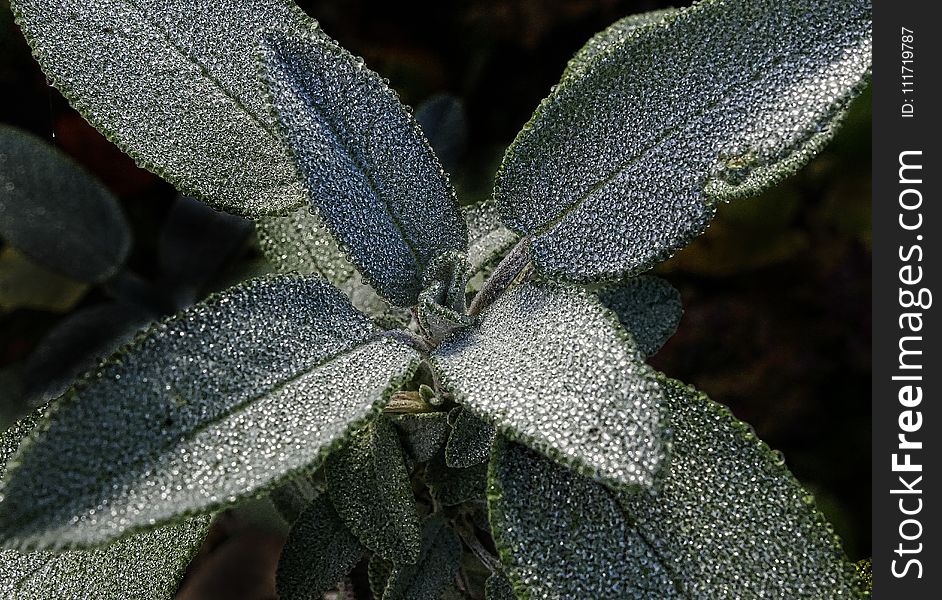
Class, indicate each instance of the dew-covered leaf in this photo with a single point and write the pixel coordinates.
(378, 571)
(552, 368)
(147, 566)
(366, 166)
(758, 532)
(56, 213)
(445, 123)
(300, 242)
(469, 442)
(26, 284)
(293, 496)
(215, 404)
(75, 344)
(498, 587)
(435, 569)
(561, 535)
(651, 126)
(423, 434)
(646, 306)
(369, 485)
(195, 242)
(319, 553)
(865, 575)
(488, 238)
(174, 84)
(451, 486)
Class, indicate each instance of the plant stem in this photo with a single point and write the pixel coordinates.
(503, 276)
(409, 337)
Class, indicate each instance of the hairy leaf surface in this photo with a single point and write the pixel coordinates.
(729, 521)
(424, 434)
(624, 162)
(57, 214)
(215, 404)
(435, 568)
(552, 368)
(488, 238)
(146, 566)
(497, 587)
(319, 553)
(369, 485)
(174, 84)
(469, 442)
(648, 307)
(366, 166)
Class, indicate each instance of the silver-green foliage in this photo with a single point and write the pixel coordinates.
(625, 161)
(147, 566)
(174, 84)
(729, 521)
(605, 480)
(170, 425)
(570, 383)
(320, 551)
(367, 168)
(56, 213)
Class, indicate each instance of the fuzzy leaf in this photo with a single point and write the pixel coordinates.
(174, 84)
(319, 553)
(215, 404)
(452, 486)
(552, 368)
(378, 571)
(56, 213)
(760, 533)
(561, 535)
(76, 344)
(498, 587)
(729, 521)
(366, 166)
(488, 238)
(301, 242)
(648, 307)
(651, 126)
(424, 434)
(437, 564)
(147, 566)
(470, 440)
(369, 485)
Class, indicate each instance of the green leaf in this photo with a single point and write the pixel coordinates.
(729, 521)
(366, 166)
(488, 238)
(319, 553)
(759, 529)
(435, 569)
(56, 213)
(147, 566)
(369, 485)
(561, 535)
(470, 440)
(648, 307)
(553, 369)
(174, 84)
(865, 575)
(452, 486)
(300, 242)
(215, 404)
(378, 571)
(498, 587)
(651, 126)
(424, 434)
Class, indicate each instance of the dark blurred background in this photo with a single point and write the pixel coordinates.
(777, 292)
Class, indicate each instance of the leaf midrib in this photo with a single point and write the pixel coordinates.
(665, 135)
(192, 433)
(193, 58)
